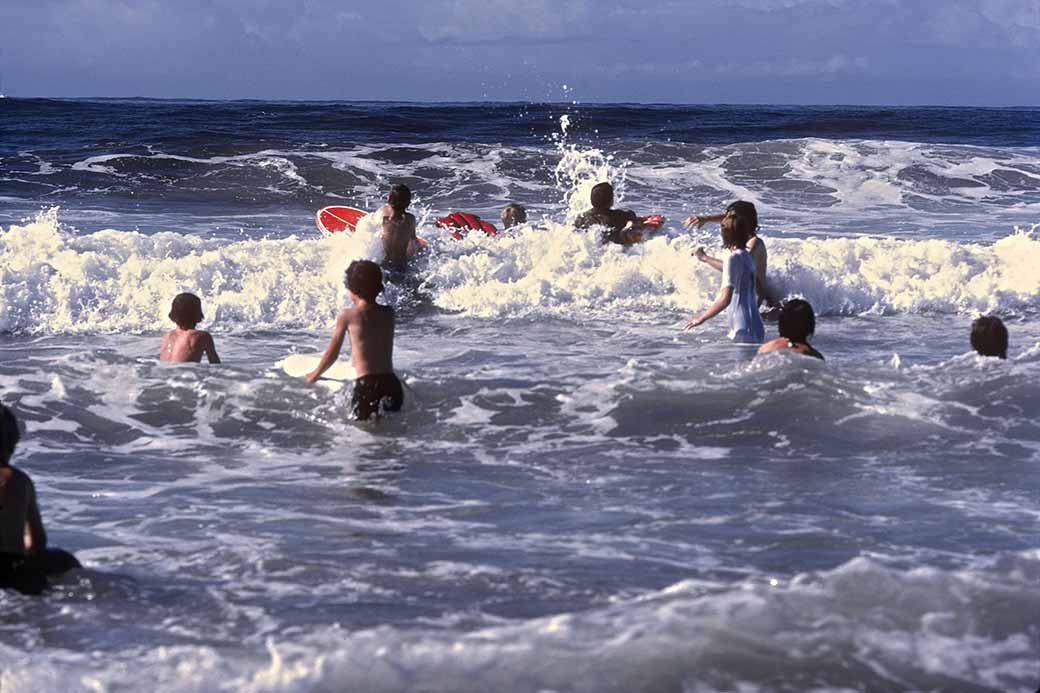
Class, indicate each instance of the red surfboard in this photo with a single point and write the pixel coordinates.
(336, 218)
(461, 223)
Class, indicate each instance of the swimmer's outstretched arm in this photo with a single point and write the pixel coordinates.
(699, 220)
(708, 260)
(332, 351)
(721, 304)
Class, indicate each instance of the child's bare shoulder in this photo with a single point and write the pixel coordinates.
(774, 345)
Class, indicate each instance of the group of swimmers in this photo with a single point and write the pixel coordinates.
(26, 561)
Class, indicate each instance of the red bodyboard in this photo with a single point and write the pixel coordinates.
(650, 225)
(461, 223)
(335, 219)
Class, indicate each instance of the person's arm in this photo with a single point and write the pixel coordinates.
(698, 221)
(721, 303)
(35, 534)
(210, 349)
(713, 262)
(758, 253)
(332, 352)
(413, 239)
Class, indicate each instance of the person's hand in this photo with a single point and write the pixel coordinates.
(692, 323)
(699, 253)
(312, 376)
(694, 221)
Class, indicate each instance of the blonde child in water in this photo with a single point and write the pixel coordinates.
(185, 343)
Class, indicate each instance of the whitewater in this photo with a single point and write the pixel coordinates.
(578, 495)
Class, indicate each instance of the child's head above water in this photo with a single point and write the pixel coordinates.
(399, 198)
(364, 279)
(513, 215)
(9, 434)
(736, 231)
(602, 196)
(186, 311)
(797, 320)
(989, 337)
(741, 208)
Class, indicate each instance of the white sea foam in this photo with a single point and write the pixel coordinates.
(58, 282)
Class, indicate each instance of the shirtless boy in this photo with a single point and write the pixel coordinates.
(185, 343)
(756, 246)
(399, 240)
(622, 224)
(796, 324)
(25, 560)
(371, 330)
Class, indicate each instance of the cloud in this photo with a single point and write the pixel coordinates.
(629, 50)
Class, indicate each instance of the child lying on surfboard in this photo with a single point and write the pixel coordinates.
(371, 330)
(185, 343)
(399, 240)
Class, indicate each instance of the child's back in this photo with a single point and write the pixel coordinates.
(371, 330)
(180, 345)
(185, 343)
(370, 327)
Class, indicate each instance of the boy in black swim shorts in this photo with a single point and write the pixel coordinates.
(371, 330)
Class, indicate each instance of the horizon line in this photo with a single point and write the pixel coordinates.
(502, 102)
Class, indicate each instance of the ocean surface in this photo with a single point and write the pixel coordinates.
(579, 496)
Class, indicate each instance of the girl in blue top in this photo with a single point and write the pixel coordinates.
(738, 286)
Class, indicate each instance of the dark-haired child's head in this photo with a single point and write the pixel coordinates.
(364, 279)
(399, 198)
(741, 208)
(602, 196)
(9, 434)
(989, 337)
(513, 215)
(736, 231)
(186, 311)
(797, 320)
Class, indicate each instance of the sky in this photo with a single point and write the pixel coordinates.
(896, 52)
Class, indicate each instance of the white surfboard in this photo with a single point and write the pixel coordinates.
(335, 378)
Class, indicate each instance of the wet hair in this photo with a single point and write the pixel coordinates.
(186, 311)
(602, 196)
(399, 198)
(9, 433)
(365, 279)
(736, 231)
(513, 214)
(797, 320)
(742, 208)
(989, 337)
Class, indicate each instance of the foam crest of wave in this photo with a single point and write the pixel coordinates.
(553, 270)
(56, 282)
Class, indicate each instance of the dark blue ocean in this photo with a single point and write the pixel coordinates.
(578, 495)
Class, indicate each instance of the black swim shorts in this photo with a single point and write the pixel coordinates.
(375, 394)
